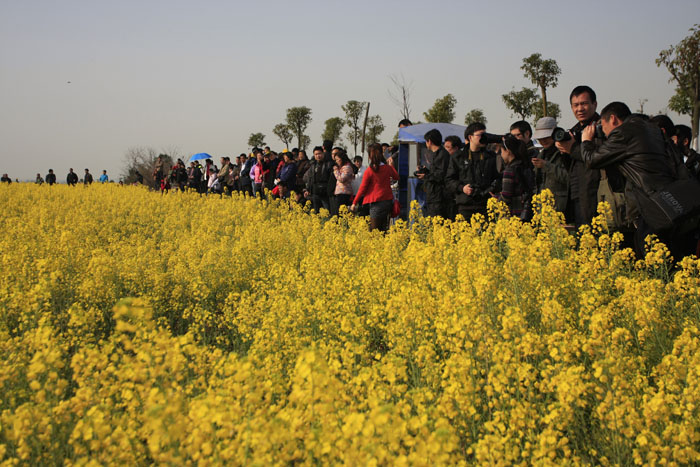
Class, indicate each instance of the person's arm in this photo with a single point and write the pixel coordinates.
(345, 174)
(612, 151)
(508, 186)
(364, 186)
(452, 181)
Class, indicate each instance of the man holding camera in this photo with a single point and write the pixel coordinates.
(637, 149)
(472, 174)
(434, 176)
(583, 181)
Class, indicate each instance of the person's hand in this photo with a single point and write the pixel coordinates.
(564, 147)
(306, 193)
(420, 176)
(353, 208)
(468, 190)
(588, 133)
(538, 163)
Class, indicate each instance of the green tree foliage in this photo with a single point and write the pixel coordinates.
(282, 131)
(442, 111)
(473, 116)
(333, 130)
(520, 102)
(353, 113)
(683, 62)
(553, 110)
(298, 119)
(375, 128)
(544, 73)
(256, 140)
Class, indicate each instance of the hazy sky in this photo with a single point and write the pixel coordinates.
(81, 82)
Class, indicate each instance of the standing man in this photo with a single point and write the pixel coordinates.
(691, 158)
(50, 177)
(583, 180)
(87, 179)
(245, 183)
(6, 179)
(472, 174)
(104, 178)
(637, 149)
(433, 175)
(319, 174)
(72, 177)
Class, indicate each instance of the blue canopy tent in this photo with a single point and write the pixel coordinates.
(411, 152)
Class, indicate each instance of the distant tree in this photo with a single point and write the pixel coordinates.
(553, 110)
(305, 142)
(375, 128)
(520, 102)
(281, 130)
(683, 62)
(298, 119)
(353, 113)
(680, 103)
(442, 111)
(401, 96)
(475, 115)
(333, 130)
(543, 73)
(256, 140)
(140, 161)
(642, 102)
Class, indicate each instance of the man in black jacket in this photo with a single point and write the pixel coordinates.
(72, 177)
(583, 181)
(50, 177)
(635, 148)
(318, 175)
(691, 158)
(472, 174)
(434, 178)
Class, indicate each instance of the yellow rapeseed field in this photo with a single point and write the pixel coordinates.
(137, 328)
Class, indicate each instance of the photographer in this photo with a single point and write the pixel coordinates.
(551, 169)
(434, 176)
(583, 181)
(638, 150)
(472, 174)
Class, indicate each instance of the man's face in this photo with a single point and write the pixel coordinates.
(318, 155)
(475, 139)
(525, 137)
(450, 148)
(582, 107)
(358, 163)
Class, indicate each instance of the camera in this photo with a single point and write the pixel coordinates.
(490, 138)
(421, 170)
(560, 134)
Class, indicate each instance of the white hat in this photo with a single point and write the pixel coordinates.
(544, 127)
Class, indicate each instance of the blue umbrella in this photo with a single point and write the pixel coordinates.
(200, 156)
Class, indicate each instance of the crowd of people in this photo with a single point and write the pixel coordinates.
(328, 180)
(644, 166)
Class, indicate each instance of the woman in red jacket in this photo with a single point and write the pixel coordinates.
(375, 189)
